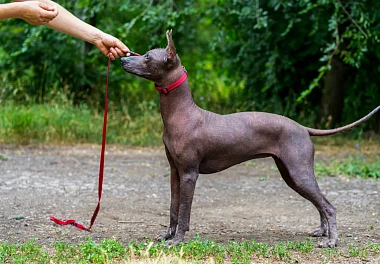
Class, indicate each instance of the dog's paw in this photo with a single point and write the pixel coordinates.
(173, 242)
(318, 232)
(329, 243)
(163, 236)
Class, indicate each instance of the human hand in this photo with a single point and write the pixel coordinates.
(111, 46)
(38, 13)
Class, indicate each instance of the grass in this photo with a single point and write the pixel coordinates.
(352, 166)
(195, 251)
(53, 124)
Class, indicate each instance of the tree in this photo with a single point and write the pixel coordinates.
(39, 64)
(306, 59)
(286, 49)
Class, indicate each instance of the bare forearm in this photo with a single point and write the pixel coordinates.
(58, 18)
(33, 12)
(8, 11)
(70, 24)
(11, 10)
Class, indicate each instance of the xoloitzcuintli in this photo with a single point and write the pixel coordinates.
(198, 141)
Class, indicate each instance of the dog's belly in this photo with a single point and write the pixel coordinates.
(208, 166)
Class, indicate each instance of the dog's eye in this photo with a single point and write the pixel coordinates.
(147, 56)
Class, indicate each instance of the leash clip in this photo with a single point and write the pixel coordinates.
(134, 53)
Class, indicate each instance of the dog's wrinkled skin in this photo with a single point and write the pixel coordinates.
(197, 141)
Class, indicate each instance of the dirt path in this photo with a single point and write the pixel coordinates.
(244, 202)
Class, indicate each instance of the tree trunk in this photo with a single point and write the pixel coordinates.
(334, 89)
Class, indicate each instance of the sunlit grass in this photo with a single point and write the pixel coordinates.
(352, 166)
(52, 124)
(195, 251)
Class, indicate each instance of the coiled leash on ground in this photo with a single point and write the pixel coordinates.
(101, 165)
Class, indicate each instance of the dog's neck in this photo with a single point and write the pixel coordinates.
(173, 85)
(177, 102)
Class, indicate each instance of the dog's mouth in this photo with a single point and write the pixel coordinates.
(128, 64)
(132, 65)
(125, 61)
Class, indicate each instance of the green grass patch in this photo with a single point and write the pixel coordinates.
(195, 251)
(57, 124)
(352, 166)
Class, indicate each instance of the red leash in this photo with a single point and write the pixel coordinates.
(101, 168)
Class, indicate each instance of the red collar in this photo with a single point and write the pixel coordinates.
(172, 86)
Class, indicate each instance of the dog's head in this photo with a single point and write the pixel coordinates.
(157, 65)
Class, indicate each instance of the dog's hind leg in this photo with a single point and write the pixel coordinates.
(322, 230)
(298, 173)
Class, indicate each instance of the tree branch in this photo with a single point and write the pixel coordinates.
(353, 20)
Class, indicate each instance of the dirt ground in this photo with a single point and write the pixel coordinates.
(248, 201)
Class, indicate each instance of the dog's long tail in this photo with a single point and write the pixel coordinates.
(319, 132)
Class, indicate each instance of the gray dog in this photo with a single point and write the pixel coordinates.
(197, 141)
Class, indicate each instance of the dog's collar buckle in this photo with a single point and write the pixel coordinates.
(164, 90)
(172, 86)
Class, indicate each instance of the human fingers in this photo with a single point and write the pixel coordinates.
(119, 52)
(47, 7)
(113, 42)
(47, 17)
(114, 52)
(48, 12)
(31, 13)
(121, 46)
(110, 55)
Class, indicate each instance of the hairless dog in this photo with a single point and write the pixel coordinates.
(198, 141)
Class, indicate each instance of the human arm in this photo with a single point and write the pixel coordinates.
(33, 12)
(70, 24)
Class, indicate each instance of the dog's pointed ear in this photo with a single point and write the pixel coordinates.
(171, 54)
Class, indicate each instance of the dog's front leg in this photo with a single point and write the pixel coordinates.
(187, 188)
(174, 206)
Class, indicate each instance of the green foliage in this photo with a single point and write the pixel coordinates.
(241, 55)
(29, 252)
(353, 166)
(195, 251)
(285, 49)
(39, 64)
